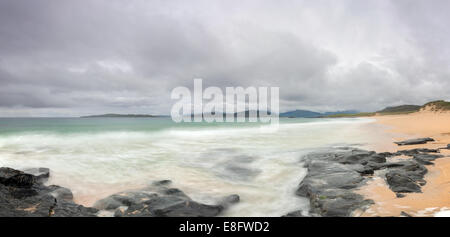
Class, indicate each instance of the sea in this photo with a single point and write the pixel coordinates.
(96, 157)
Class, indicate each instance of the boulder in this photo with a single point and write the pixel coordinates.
(415, 141)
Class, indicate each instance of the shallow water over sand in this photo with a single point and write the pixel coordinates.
(98, 157)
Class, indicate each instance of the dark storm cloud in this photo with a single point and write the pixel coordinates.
(80, 57)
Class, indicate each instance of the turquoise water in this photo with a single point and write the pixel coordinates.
(96, 157)
(97, 125)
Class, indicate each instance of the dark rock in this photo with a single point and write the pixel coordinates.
(400, 195)
(426, 159)
(386, 154)
(334, 202)
(124, 199)
(405, 214)
(187, 209)
(162, 182)
(294, 214)
(354, 157)
(401, 183)
(232, 199)
(61, 193)
(16, 178)
(41, 174)
(332, 176)
(164, 202)
(171, 207)
(343, 206)
(378, 166)
(240, 172)
(421, 182)
(24, 195)
(366, 170)
(65, 209)
(175, 192)
(407, 177)
(417, 151)
(415, 141)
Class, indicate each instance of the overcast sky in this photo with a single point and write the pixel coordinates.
(70, 58)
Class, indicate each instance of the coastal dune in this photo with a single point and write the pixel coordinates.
(434, 199)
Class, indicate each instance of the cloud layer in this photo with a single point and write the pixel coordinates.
(70, 58)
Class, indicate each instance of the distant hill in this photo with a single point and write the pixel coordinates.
(401, 109)
(120, 116)
(341, 112)
(312, 114)
(301, 114)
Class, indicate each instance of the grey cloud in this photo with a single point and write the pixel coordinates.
(114, 56)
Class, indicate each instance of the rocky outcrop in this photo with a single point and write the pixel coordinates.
(415, 141)
(334, 174)
(22, 194)
(408, 176)
(159, 200)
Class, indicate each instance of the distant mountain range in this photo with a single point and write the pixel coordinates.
(439, 105)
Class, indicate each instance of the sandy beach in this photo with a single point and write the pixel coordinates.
(435, 197)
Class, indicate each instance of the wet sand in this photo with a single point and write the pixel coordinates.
(435, 196)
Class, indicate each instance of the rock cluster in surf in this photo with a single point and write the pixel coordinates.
(334, 175)
(23, 194)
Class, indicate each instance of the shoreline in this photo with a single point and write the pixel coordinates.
(434, 196)
(341, 180)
